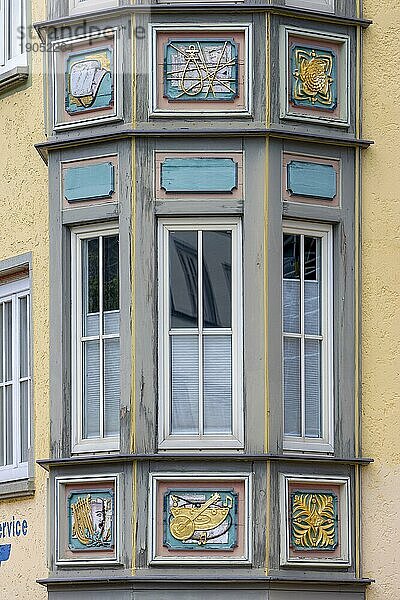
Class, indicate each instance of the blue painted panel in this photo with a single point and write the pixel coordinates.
(314, 180)
(314, 78)
(89, 183)
(5, 550)
(199, 175)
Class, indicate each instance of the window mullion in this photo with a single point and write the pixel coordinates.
(302, 350)
(15, 381)
(101, 340)
(2, 341)
(200, 325)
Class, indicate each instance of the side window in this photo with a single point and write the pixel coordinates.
(12, 24)
(200, 334)
(95, 335)
(15, 379)
(307, 337)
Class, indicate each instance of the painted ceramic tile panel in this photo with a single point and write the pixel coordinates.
(314, 77)
(316, 528)
(87, 520)
(317, 78)
(89, 81)
(201, 71)
(200, 519)
(314, 520)
(90, 519)
(196, 519)
(86, 82)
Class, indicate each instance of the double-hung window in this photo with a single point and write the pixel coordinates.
(12, 35)
(15, 379)
(200, 334)
(307, 337)
(95, 334)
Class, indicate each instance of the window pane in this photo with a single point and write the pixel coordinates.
(185, 384)
(217, 278)
(183, 261)
(311, 246)
(292, 386)
(9, 426)
(291, 305)
(111, 387)
(217, 384)
(313, 388)
(8, 356)
(15, 21)
(23, 337)
(91, 392)
(2, 428)
(110, 273)
(291, 256)
(90, 286)
(312, 286)
(24, 416)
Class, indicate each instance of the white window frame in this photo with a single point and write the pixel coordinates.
(167, 440)
(324, 444)
(90, 5)
(79, 443)
(12, 292)
(6, 30)
(318, 5)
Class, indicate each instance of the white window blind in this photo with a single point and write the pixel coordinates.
(307, 336)
(15, 380)
(200, 334)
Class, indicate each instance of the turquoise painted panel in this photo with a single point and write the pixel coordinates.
(199, 175)
(89, 183)
(314, 180)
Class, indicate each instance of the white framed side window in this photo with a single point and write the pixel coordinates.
(15, 379)
(12, 35)
(95, 338)
(80, 6)
(307, 340)
(200, 334)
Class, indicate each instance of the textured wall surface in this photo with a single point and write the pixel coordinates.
(24, 228)
(381, 301)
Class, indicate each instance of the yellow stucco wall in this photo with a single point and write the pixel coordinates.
(24, 228)
(381, 300)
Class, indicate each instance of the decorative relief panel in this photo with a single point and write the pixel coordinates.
(199, 175)
(315, 85)
(198, 72)
(86, 520)
(200, 518)
(86, 80)
(89, 181)
(311, 179)
(315, 520)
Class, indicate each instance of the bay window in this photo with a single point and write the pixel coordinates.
(96, 347)
(200, 325)
(307, 337)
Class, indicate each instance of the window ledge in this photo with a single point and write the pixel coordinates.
(17, 489)
(13, 77)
